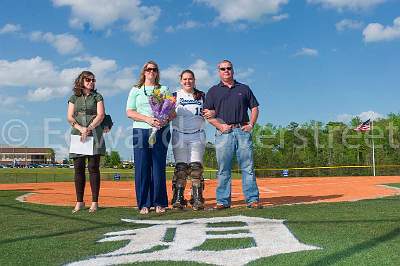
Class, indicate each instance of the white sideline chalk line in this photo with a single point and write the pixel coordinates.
(390, 187)
(320, 184)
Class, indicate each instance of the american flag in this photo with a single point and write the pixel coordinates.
(364, 126)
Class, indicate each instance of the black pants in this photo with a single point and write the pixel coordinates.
(94, 174)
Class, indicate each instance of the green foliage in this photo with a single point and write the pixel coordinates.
(115, 159)
(106, 160)
(334, 144)
(314, 144)
(209, 158)
(111, 160)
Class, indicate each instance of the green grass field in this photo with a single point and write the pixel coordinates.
(352, 233)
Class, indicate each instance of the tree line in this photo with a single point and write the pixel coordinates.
(314, 144)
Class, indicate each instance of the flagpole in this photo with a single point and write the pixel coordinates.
(373, 148)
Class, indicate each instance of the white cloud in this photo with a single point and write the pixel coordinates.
(12, 105)
(348, 24)
(99, 66)
(142, 24)
(244, 74)
(170, 76)
(7, 101)
(203, 72)
(64, 43)
(247, 10)
(346, 118)
(190, 24)
(341, 5)
(376, 32)
(306, 52)
(370, 115)
(61, 152)
(100, 14)
(45, 94)
(9, 28)
(26, 72)
(206, 74)
(44, 81)
(280, 17)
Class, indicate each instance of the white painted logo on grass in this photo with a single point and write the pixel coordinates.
(271, 237)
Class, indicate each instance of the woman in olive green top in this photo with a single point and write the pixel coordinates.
(85, 114)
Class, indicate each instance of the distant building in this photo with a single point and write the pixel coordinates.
(26, 155)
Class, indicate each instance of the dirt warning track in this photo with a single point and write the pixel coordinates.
(273, 191)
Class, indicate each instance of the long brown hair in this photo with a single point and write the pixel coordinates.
(78, 84)
(142, 78)
(197, 94)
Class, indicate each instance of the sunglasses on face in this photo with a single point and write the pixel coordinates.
(90, 80)
(149, 69)
(225, 68)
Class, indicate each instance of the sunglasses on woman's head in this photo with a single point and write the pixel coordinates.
(90, 80)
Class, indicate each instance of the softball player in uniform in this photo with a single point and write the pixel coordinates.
(188, 142)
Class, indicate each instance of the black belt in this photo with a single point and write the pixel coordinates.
(238, 125)
(86, 113)
(198, 131)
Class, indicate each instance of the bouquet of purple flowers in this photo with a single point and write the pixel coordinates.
(162, 106)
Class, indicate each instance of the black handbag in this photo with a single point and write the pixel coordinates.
(107, 122)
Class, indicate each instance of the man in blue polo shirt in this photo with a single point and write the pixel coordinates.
(231, 101)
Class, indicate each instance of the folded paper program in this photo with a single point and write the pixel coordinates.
(79, 147)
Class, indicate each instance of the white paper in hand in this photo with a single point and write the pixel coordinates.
(79, 147)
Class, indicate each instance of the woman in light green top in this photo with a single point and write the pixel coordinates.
(150, 162)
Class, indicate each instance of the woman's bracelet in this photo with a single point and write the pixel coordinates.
(90, 127)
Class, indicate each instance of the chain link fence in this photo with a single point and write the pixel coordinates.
(25, 176)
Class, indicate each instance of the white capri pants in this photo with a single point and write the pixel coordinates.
(188, 148)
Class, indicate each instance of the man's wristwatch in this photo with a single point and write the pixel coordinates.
(73, 123)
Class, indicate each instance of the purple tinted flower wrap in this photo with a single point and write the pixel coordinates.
(162, 107)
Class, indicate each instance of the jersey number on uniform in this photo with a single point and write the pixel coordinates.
(199, 111)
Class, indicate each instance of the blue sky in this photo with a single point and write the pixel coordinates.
(324, 60)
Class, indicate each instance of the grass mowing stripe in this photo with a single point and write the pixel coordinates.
(170, 234)
(239, 231)
(153, 249)
(227, 224)
(226, 244)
